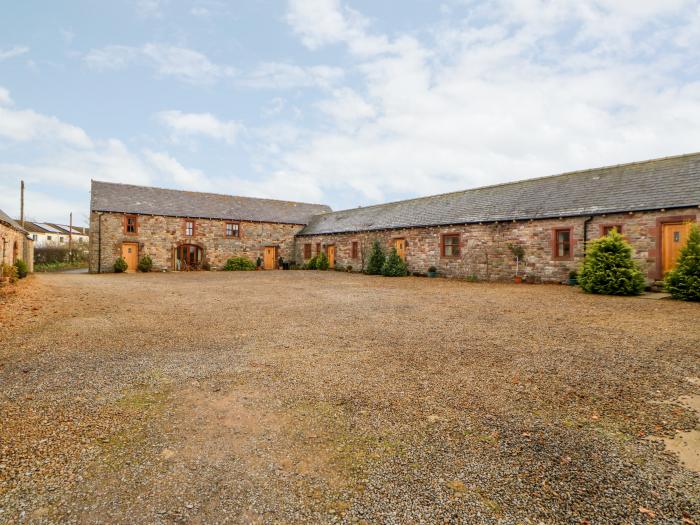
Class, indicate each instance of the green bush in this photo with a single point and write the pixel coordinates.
(239, 264)
(120, 265)
(311, 264)
(609, 269)
(394, 266)
(322, 262)
(376, 259)
(145, 264)
(9, 272)
(683, 282)
(22, 268)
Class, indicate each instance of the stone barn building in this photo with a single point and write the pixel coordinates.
(183, 230)
(463, 234)
(15, 243)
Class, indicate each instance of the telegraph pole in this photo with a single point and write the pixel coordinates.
(70, 238)
(21, 203)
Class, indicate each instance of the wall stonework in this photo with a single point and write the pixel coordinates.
(159, 236)
(484, 247)
(8, 238)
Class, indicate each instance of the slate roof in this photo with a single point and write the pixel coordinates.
(126, 198)
(5, 218)
(671, 182)
(34, 227)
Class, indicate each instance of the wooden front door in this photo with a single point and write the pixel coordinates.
(674, 237)
(330, 253)
(270, 257)
(400, 245)
(130, 253)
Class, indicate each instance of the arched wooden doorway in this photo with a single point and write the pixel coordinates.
(189, 257)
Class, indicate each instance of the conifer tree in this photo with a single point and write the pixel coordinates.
(394, 266)
(376, 259)
(683, 282)
(609, 269)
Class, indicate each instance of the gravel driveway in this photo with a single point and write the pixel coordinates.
(289, 397)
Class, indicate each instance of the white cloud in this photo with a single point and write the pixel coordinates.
(28, 125)
(183, 177)
(5, 98)
(182, 63)
(205, 124)
(6, 54)
(281, 75)
(514, 89)
(150, 8)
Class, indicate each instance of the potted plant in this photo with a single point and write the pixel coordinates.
(573, 278)
(432, 271)
(519, 253)
(258, 263)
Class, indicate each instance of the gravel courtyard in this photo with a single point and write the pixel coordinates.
(292, 397)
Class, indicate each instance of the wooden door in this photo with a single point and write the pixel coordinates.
(674, 237)
(130, 253)
(330, 252)
(269, 258)
(400, 245)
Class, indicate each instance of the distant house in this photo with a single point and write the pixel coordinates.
(15, 243)
(466, 233)
(52, 234)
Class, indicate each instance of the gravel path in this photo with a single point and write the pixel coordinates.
(289, 397)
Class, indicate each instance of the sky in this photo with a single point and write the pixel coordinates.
(341, 102)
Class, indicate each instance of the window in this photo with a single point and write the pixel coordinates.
(189, 228)
(34, 236)
(355, 249)
(450, 245)
(48, 237)
(60, 239)
(130, 224)
(605, 229)
(307, 251)
(318, 248)
(232, 229)
(562, 243)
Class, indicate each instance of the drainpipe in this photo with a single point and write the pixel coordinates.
(99, 243)
(585, 233)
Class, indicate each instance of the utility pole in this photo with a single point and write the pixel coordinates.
(70, 238)
(21, 203)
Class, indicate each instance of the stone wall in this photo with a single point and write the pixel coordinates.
(8, 238)
(484, 247)
(159, 236)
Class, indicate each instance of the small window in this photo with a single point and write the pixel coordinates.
(189, 228)
(318, 248)
(60, 239)
(562, 243)
(607, 228)
(232, 229)
(450, 245)
(48, 237)
(355, 249)
(130, 224)
(307, 251)
(34, 237)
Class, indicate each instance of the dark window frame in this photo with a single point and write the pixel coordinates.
(188, 221)
(307, 250)
(135, 218)
(604, 227)
(443, 245)
(318, 248)
(355, 250)
(555, 243)
(236, 230)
